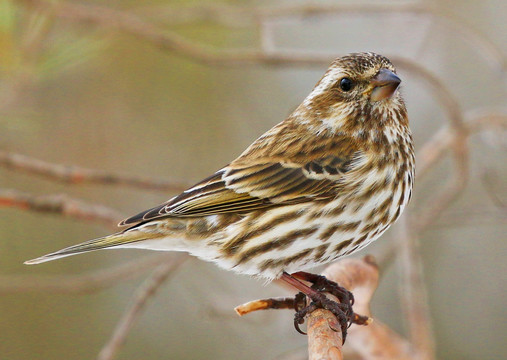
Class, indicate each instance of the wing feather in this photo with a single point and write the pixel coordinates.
(245, 186)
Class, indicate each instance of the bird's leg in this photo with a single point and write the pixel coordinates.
(342, 310)
(322, 284)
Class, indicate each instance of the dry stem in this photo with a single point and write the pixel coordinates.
(79, 175)
(131, 314)
(60, 204)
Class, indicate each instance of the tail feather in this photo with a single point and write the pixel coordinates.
(90, 245)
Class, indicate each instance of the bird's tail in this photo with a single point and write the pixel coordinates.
(105, 242)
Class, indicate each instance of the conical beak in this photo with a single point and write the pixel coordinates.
(386, 82)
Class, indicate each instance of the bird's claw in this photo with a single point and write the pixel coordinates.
(342, 309)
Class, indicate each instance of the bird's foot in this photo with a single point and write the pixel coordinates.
(342, 309)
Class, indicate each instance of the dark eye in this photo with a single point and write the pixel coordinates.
(346, 84)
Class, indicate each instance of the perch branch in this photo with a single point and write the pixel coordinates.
(361, 277)
(79, 175)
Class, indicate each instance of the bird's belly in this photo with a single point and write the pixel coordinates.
(298, 237)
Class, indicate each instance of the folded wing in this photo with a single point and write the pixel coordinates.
(245, 188)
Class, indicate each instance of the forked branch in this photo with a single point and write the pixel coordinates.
(324, 336)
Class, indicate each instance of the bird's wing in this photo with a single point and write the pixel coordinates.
(243, 187)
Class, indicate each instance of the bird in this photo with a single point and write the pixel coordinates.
(322, 184)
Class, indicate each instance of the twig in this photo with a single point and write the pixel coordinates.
(60, 204)
(241, 15)
(81, 283)
(432, 152)
(264, 304)
(446, 139)
(440, 92)
(79, 175)
(143, 293)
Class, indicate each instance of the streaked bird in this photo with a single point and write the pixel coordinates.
(320, 185)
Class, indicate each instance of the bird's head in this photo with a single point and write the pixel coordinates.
(357, 89)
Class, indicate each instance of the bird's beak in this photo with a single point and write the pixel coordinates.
(385, 84)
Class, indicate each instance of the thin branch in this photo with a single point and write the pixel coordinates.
(414, 298)
(432, 152)
(60, 204)
(242, 15)
(81, 283)
(132, 313)
(439, 202)
(264, 304)
(79, 175)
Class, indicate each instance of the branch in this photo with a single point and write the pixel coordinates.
(375, 341)
(324, 336)
(60, 204)
(78, 175)
(132, 313)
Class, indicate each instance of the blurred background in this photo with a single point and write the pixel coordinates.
(174, 90)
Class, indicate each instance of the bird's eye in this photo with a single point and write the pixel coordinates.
(346, 84)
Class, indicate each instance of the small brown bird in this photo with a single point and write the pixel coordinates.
(322, 184)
